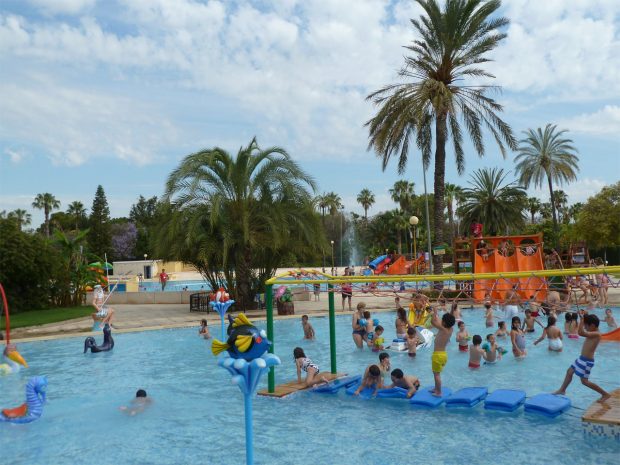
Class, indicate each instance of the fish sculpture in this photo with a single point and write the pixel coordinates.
(33, 407)
(244, 341)
(13, 360)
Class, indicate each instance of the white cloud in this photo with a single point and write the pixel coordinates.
(63, 6)
(578, 191)
(14, 155)
(604, 122)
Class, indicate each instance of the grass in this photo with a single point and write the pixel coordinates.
(50, 315)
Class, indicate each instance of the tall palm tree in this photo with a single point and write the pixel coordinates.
(46, 202)
(546, 154)
(77, 210)
(439, 93)
(573, 212)
(492, 201)
(561, 202)
(533, 206)
(248, 212)
(399, 221)
(452, 193)
(333, 202)
(366, 199)
(403, 194)
(21, 217)
(321, 203)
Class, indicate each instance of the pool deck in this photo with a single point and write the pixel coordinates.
(283, 390)
(607, 413)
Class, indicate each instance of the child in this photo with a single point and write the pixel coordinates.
(384, 364)
(369, 327)
(401, 323)
(462, 337)
(588, 328)
(378, 340)
(484, 251)
(554, 334)
(455, 311)
(317, 292)
(572, 326)
(409, 382)
(488, 315)
(440, 356)
(442, 305)
(475, 352)
(528, 322)
(312, 369)
(204, 329)
(493, 352)
(139, 404)
(412, 342)
(308, 329)
(609, 319)
(372, 378)
(501, 329)
(517, 337)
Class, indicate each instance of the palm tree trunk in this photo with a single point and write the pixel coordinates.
(532, 213)
(242, 280)
(47, 221)
(439, 187)
(400, 243)
(556, 232)
(451, 219)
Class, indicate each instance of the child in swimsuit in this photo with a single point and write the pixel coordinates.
(378, 340)
(488, 308)
(372, 378)
(303, 363)
(384, 364)
(609, 319)
(369, 327)
(439, 359)
(501, 329)
(462, 337)
(571, 326)
(455, 311)
(554, 335)
(409, 382)
(517, 337)
(307, 327)
(204, 329)
(401, 323)
(475, 352)
(492, 352)
(412, 342)
(529, 321)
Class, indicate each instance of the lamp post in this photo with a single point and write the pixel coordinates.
(341, 234)
(332, 242)
(413, 221)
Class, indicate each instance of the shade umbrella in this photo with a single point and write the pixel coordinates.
(103, 266)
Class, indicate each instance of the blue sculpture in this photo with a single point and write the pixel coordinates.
(221, 308)
(33, 407)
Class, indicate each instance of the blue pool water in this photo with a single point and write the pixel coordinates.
(197, 415)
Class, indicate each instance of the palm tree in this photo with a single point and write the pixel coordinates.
(547, 154)
(560, 201)
(243, 214)
(46, 202)
(77, 210)
(493, 202)
(533, 206)
(21, 217)
(399, 222)
(366, 198)
(453, 43)
(321, 202)
(573, 211)
(452, 193)
(333, 203)
(403, 194)
(545, 210)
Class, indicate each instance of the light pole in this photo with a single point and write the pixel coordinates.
(341, 236)
(332, 242)
(413, 221)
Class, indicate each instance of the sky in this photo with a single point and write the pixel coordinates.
(117, 92)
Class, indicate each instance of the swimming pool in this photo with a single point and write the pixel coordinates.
(197, 415)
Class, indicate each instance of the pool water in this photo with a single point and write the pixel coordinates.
(197, 414)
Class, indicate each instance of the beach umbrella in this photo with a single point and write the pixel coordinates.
(103, 266)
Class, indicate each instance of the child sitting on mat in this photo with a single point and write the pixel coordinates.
(303, 363)
(372, 379)
(588, 328)
(475, 352)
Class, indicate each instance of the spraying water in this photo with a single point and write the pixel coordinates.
(355, 255)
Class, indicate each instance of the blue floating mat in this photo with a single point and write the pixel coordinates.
(549, 405)
(467, 397)
(392, 393)
(424, 399)
(365, 393)
(505, 400)
(338, 384)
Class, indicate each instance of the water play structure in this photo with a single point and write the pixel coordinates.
(396, 264)
(11, 358)
(32, 409)
(108, 342)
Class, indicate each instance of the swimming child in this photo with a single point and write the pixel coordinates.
(440, 356)
(554, 335)
(412, 342)
(462, 337)
(609, 319)
(204, 329)
(501, 329)
(378, 340)
(401, 323)
(384, 364)
(529, 321)
(303, 363)
(517, 337)
(588, 328)
(476, 352)
(493, 352)
(372, 379)
(138, 404)
(409, 382)
(488, 315)
(308, 329)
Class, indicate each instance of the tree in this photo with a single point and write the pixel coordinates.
(453, 43)
(546, 154)
(332, 202)
(46, 202)
(144, 216)
(533, 206)
(496, 204)
(573, 212)
(77, 211)
(403, 194)
(598, 221)
(100, 234)
(239, 217)
(560, 202)
(124, 238)
(452, 193)
(21, 217)
(366, 199)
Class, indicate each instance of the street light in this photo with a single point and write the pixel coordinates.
(341, 234)
(332, 242)
(413, 221)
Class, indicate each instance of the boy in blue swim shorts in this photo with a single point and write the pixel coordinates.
(588, 328)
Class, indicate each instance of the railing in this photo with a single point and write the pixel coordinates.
(199, 302)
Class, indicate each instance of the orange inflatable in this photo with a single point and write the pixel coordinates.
(612, 335)
(16, 412)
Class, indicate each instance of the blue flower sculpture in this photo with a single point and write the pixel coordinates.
(221, 308)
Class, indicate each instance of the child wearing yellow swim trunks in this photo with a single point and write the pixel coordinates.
(440, 356)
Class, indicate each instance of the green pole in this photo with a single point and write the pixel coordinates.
(332, 328)
(271, 379)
